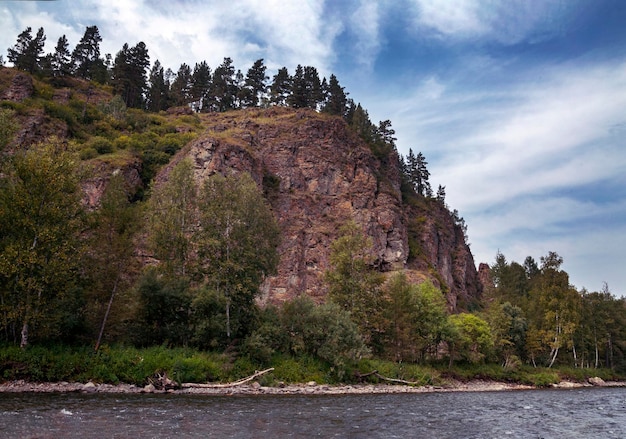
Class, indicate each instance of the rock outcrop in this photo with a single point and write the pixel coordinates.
(317, 175)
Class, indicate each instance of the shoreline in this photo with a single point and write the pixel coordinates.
(311, 388)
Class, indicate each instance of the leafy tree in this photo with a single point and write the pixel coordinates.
(27, 52)
(281, 87)
(164, 310)
(172, 220)
(470, 338)
(362, 124)
(352, 281)
(554, 311)
(314, 92)
(306, 88)
(416, 317)
(255, 85)
(86, 56)
(508, 328)
(236, 245)
(323, 331)
(111, 250)
(40, 216)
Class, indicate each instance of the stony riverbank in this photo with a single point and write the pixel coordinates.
(298, 389)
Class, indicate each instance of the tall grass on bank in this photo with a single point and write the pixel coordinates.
(123, 364)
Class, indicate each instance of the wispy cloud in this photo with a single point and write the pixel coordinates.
(505, 21)
(519, 162)
(364, 24)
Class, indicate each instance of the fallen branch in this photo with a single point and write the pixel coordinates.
(233, 384)
(394, 380)
(384, 378)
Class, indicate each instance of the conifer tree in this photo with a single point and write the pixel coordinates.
(180, 89)
(157, 97)
(86, 60)
(27, 52)
(200, 86)
(281, 87)
(336, 102)
(223, 91)
(255, 85)
(129, 74)
(61, 60)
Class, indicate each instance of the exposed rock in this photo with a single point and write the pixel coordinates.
(21, 88)
(149, 388)
(89, 387)
(317, 175)
(596, 381)
(93, 187)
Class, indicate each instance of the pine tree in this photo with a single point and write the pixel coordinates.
(336, 102)
(157, 97)
(418, 173)
(129, 74)
(298, 96)
(255, 86)
(86, 60)
(200, 86)
(180, 90)
(223, 91)
(281, 87)
(27, 52)
(61, 60)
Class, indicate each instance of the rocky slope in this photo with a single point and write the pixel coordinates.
(317, 175)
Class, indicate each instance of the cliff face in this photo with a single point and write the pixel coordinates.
(317, 174)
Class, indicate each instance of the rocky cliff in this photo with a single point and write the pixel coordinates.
(317, 174)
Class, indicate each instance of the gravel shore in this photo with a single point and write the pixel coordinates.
(299, 389)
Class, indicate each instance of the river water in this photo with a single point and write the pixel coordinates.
(574, 413)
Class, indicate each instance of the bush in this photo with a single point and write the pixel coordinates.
(102, 145)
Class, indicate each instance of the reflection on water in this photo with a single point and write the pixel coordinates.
(577, 413)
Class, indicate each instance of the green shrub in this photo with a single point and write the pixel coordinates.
(87, 153)
(102, 145)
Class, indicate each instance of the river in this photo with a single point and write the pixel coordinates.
(573, 413)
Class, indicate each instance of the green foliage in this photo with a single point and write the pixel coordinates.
(164, 308)
(469, 339)
(237, 244)
(353, 283)
(101, 145)
(41, 216)
(417, 319)
(8, 127)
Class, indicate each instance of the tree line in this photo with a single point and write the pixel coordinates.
(156, 88)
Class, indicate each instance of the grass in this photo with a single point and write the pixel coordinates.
(124, 364)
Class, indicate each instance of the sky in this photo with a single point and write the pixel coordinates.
(519, 106)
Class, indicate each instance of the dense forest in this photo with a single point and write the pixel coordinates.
(71, 274)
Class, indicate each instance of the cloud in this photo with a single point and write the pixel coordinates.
(364, 24)
(504, 21)
(284, 33)
(534, 164)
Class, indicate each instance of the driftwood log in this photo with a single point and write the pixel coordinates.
(224, 385)
(384, 378)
